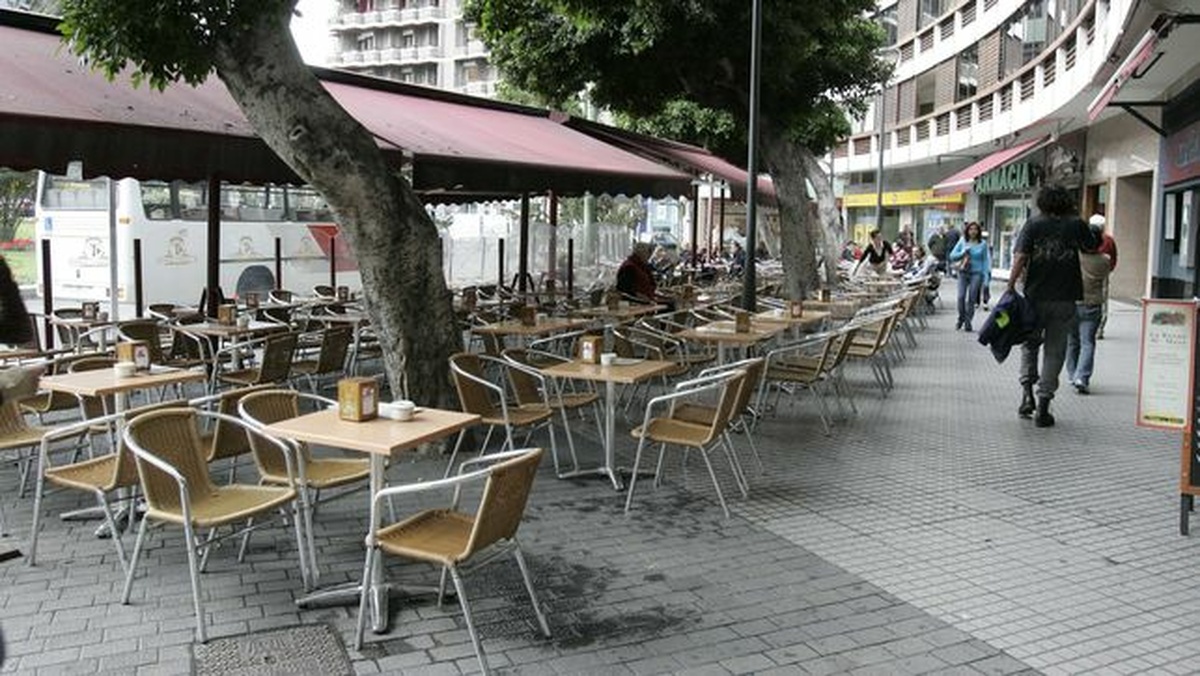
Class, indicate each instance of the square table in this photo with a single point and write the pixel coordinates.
(725, 333)
(624, 313)
(625, 372)
(380, 439)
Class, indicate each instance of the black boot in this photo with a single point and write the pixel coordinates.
(1043, 418)
(1025, 410)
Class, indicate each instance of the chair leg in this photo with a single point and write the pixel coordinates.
(114, 532)
(454, 453)
(637, 461)
(716, 484)
(133, 559)
(735, 465)
(537, 607)
(368, 570)
(194, 570)
(31, 559)
(461, 591)
(306, 550)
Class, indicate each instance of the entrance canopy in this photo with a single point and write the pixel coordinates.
(962, 181)
(55, 110)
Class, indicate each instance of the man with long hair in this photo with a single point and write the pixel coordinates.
(1047, 256)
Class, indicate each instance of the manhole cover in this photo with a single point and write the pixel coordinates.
(305, 649)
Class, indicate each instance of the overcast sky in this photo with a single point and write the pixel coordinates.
(311, 30)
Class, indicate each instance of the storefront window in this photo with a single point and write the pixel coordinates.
(1007, 217)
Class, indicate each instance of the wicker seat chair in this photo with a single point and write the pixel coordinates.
(453, 539)
(16, 435)
(667, 430)
(170, 457)
(331, 357)
(531, 388)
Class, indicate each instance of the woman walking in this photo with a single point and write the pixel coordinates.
(974, 263)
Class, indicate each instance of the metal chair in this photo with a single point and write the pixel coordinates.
(101, 476)
(17, 435)
(478, 395)
(275, 367)
(452, 539)
(331, 357)
(666, 430)
(745, 407)
(531, 388)
(171, 463)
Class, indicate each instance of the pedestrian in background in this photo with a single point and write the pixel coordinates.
(1081, 343)
(1047, 259)
(1108, 247)
(878, 253)
(973, 261)
(952, 236)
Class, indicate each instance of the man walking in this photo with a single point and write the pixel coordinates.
(1081, 344)
(951, 239)
(1047, 256)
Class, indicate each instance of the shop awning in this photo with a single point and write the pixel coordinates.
(962, 181)
(55, 110)
(1140, 54)
(695, 160)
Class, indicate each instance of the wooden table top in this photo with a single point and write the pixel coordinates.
(726, 332)
(542, 327)
(18, 353)
(381, 436)
(229, 330)
(626, 371)
(630, 311)
(101, 382)
(808, 318)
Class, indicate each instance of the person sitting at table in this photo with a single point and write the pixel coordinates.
(635, 277)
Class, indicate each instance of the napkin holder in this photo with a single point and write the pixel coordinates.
(90, 310)
(797, 308)
(741, 321)
(135, 351)
(358, 399)
(252, 300)
(227, 314)
(590, 348)
(527, 315)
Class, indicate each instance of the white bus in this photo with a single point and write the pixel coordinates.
(170, 220)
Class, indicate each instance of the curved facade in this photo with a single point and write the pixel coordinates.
(990, 99)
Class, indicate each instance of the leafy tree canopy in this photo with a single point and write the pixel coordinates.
(163, 41)
(818, 58)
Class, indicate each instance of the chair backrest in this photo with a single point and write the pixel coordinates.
(503, 502)
(526, 387)
(12, 421)
(474, 397)
(92, 407)
(335, 343)
(146, 330)
(171, 436)
(324, 291)
(164, 311)
(125, 471)
(754, 368)
(844, 341)
(265, 407)
(277, 358)
(726, 405)
(229, 440)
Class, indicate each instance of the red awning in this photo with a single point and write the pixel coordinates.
(55, 110)
(962, 181)
(1140, 53)
(689, 158)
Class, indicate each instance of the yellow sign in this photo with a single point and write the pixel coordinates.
(900, 198)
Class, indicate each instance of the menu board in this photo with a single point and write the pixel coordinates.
(1167, 361)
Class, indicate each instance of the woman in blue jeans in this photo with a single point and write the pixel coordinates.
(973, 261)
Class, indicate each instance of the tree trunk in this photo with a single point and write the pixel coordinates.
(832, 228)
(797, 244)
(396, 243)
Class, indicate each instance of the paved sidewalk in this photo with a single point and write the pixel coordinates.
(933, 533)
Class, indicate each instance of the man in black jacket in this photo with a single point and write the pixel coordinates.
(15, 329)
(1047, 255)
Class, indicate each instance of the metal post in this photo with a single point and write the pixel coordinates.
(501, 271)
(570, 267)
(523, 252)
(114, 253)
(695, 221)
(47, 295)
(213, 253)
(278, 262)
(138, 288)
(879, 171)
(333, 261)
(749, 276)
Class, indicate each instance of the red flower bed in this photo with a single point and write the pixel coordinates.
(17, 245)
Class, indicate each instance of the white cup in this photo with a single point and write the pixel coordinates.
(541, 318)
(124, 369)
(243, 321)
(102, 316)
(401, 410)
(608, 358)
(778, 312)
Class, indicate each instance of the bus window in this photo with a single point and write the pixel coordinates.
(307, 206)
(193, 200)
(156, 200)
(64, 193)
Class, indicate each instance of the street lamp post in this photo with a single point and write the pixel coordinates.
(890, 56)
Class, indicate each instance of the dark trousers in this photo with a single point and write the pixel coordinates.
(1056, 320)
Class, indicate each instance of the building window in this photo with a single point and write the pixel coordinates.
(968, 73)
(887, 19)
(929, 11)
(926, 92)
(366, 42)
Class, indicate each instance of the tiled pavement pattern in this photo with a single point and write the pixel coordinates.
(935, 532)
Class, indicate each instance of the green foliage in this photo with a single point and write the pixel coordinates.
(16, 197)
(612, 209)
(638, 57)
(689, 122)
(163, 41)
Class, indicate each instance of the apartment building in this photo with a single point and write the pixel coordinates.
(423, 42)
(990, 99)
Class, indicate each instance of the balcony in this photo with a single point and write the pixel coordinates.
(1059, 77)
